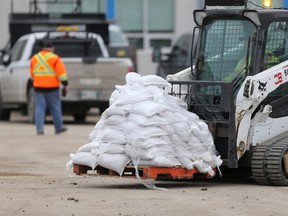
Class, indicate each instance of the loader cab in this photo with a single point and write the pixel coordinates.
(232, 45)
(237, 43)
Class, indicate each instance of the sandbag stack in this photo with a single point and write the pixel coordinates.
(146, 126)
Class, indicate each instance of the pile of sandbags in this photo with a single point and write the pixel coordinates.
(146, 126)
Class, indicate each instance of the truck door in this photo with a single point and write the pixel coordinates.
(179, 58)
(12, 77)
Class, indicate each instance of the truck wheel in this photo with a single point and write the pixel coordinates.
(79, 117)
(30, 106)
(4, 113)
(103, 107)
(270, 163)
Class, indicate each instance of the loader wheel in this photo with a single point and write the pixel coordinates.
(270, 163)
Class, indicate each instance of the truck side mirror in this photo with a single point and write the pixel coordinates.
(6, 58)
(156, 56)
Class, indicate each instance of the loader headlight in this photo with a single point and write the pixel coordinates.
(267, 3)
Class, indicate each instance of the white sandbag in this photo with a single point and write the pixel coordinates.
(149, 153)
(136, 132)
(132, 78)
(115, 162)
(155, 81)
(164, 161)
(157, 93)
(186, 162)
(178, 143)
(160, 161)
(172, 117)
(168, 128)
(88, 147)
(137, 119)
(182, 130)
(112, 135)
(216, 160)
(190, 117)
(113, 110)
(149, 108)
(111, 148)
(133, 97)
(97, 128)
(151, 141)
(141, 120)
(204, 168)
(114, 96)
(194, 140)
(176, 101)
(202, 135)
(85, 158)
(116, 120)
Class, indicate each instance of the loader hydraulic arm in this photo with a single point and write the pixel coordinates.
(253, 91)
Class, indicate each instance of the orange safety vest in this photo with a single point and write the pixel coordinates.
(47, 70)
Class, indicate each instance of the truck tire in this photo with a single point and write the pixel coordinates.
(4, 113)
(79, 117)
(30, 106)
(103, 107)
(270, 163)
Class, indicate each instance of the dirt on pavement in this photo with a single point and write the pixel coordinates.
(34, 181)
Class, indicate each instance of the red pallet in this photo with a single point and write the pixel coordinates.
(145, 172)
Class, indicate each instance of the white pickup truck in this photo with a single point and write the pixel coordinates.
(92, 74)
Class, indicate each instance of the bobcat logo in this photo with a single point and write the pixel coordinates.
(262, 86)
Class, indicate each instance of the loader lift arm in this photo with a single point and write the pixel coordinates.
(254, 90)
(266, 136)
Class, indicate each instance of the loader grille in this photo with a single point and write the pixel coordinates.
(211, 101)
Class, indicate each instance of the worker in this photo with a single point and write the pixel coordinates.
(47, 72)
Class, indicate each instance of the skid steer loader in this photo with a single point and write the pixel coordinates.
(239, 86)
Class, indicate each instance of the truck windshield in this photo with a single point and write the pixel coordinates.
(78, 49)
(73, 48)
(225, 49)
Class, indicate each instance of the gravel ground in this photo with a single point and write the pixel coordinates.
(34, 181)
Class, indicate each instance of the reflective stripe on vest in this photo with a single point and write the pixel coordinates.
(42, 68)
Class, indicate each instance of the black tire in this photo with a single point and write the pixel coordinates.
(79, 117)
(4, 113)
(270, 163)
(30, 106)
(103, 107)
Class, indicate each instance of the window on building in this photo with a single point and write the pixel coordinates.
(162, 22)
(142, 17)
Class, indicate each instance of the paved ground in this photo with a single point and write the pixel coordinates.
(34, 181)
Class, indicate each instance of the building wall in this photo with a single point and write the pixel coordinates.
(19, 6)
(184, 15)
(183, 23)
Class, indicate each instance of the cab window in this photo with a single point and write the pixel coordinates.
(225, 43)
(17, 50)
(276, 49)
